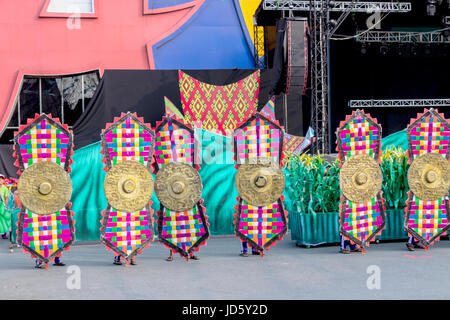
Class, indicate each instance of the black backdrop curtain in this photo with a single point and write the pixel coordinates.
(143, 91)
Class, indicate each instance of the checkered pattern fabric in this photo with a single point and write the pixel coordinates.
(258, 139)
(261, 224)
(46, 234)
(44, 139)
(360, 134)
(430, 135)
(427, 218)
(174, 144)
(128, 231)
(362, 219)
(128, 141)
(44, 142)
(182, 229)
(359, 137)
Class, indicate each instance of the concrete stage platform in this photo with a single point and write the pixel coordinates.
(286, 272)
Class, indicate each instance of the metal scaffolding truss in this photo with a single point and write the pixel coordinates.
(403, 37)
(320, 34)
(423, 103)
(339, 6)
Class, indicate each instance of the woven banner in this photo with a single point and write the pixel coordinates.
(218, 107)
(181, 231)
(427, 221)
(260, 227)
(172, 110)
(360, 222)
(44, 139)
(128, 138)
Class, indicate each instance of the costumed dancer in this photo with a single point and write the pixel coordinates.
(260, 218)
(427, 208)
(127, 225)
(5, 214)
(43, 149)
(362, 214)
(182, 222)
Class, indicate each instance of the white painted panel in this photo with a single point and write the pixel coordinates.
(71, 6)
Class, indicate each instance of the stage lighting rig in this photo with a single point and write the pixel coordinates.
(431, 6)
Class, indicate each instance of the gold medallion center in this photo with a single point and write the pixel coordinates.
(260, 181)
(178, 187)
(45, 188)
(129, 186)
(361, 178)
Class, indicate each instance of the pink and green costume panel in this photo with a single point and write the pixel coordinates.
(261, 227)
(128, 138)
(427, 221)
(44, 139)
(181, 231)
(360, 222)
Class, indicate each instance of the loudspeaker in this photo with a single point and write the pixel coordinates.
(296, 53)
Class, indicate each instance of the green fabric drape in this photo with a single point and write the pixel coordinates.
(5, 218)
(398, 139)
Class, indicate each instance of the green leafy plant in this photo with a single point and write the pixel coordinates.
(314, 182)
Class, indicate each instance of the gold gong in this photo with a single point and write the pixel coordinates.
(429, 176)
(360, 178)
(128, 186)
(178, 186)
(260, 181)
(44, 188)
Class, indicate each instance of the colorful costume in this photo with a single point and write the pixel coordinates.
(261, 226)
(127, 139)
(44, 139)
(185, 230)
(427, 210)
(362, 212)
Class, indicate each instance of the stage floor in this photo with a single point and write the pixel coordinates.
(286, 272)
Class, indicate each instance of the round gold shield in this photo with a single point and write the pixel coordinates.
(128, 186)
(360, 178)
(260, 181)
(44, 188)
(178, 186)
(429, 176)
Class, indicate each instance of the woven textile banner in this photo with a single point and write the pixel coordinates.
(218, 107)
(425, 220)
(128, 138)
(359, 134)
(44, 139)
(260, 227)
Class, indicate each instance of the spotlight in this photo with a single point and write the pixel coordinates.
(431, 7)
(332, 4)
(384, 49)
(363, 48)
(427, 49)
(291, 5)
(332, 23)
(414, 50)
